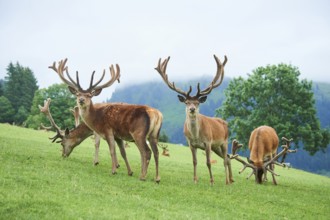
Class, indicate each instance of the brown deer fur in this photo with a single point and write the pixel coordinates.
(201, 131)
(116, 121)
(263, 145)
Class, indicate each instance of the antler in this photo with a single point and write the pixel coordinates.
(75, 112)
(284, 151)
(60, 71)
(235, 146)
(219, 74)
(161, 69)
(115, 75)
(45, 109)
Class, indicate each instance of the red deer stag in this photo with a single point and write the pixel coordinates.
(263, 146)
(201, 131)
(116, 122)
(70, 139)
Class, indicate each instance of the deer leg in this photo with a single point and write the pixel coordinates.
(121, 146)
(222, 152)
(208, 161)
(153, 142)
(112, 145)
(193, 151)
(145, 156)
(97, 148)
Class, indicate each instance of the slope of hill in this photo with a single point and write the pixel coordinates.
(158, 95)
(37, 183)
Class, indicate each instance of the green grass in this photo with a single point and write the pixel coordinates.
(36, 183)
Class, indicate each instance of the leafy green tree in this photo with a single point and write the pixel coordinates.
(1, 87)
(21, 115)
(20, 86)
(62, 102)
(6, 110)
(274, 96)
(163, 137)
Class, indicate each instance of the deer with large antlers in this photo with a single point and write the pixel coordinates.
(263, 146)
(202, 132)
(116, 121)
(69, 139)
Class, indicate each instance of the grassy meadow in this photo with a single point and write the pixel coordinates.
(37, 183)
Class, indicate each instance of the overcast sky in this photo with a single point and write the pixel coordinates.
(135, 34)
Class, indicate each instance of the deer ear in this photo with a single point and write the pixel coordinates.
(72, 90)
(202, 99)
(181, 98)
(96, 92)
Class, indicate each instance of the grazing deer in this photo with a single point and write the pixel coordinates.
(97, 138)
(263, 146)
(201, 131)
(69, 139)
(114, 121)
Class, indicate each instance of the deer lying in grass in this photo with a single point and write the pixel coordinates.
(263, 146)
(201, 131)
(116, 122)
(69, 139)
(165, 152)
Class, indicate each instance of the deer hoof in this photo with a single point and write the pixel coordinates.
(118, 166)
(96, 163)
(114, 172)
(130, 173)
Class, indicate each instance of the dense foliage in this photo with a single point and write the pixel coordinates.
(62, 102)
(274, 96)
(19, 87)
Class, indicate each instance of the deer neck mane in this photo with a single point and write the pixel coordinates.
(87, 113)
(193, 124)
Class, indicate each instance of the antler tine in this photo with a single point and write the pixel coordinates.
(98, 82)
(75, 112)
(115, 75)
(245, 164)
(284, 151)
(45, 109)
(59, 71)
(219, 74)
(161, 69)
(235, 146)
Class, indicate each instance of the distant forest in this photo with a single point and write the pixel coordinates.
(157, 94)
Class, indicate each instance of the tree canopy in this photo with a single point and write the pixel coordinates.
(62, 102)
(6, 110)
(274, 96)
(19, 88)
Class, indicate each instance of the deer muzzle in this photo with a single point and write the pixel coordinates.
(81, 101)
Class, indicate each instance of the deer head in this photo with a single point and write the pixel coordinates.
(68, 139)
(84, 95)
(192, 102)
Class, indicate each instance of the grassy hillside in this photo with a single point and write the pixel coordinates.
(36, 183)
